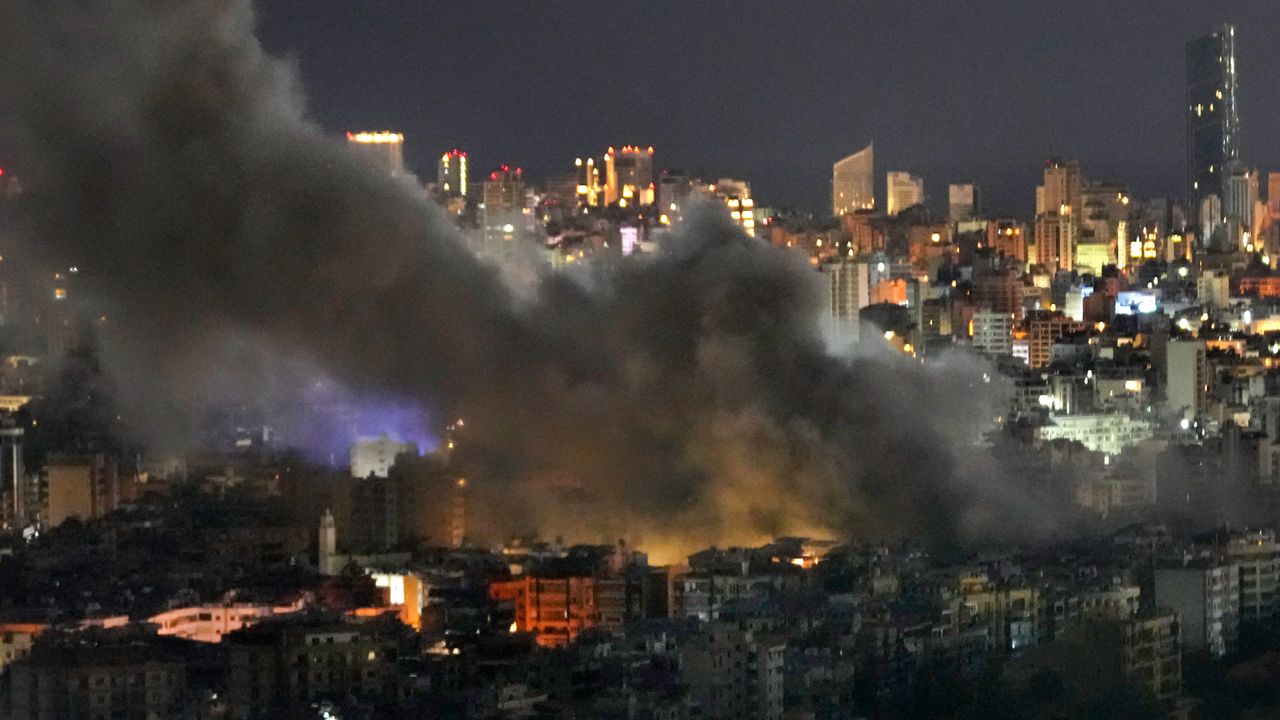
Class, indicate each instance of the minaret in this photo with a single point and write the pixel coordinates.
(328, 545)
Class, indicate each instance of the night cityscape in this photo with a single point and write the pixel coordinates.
(672, 361)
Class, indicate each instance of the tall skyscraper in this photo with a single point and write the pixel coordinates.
(904, 190)
(853, 182)
(1213, 126)
(382, 150)
(629, 176)
(452, 173)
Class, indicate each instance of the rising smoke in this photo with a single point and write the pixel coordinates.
(679, 399)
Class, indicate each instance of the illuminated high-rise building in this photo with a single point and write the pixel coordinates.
(629, 176)
(904, 190)
(1055, 235)
(451, 176)
(503, 211)
(589, 191)
(853, 182)
(382, 150)
(1213, 125)
(1062, 186)
(736, 195)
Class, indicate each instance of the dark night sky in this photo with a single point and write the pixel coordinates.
(775, 91)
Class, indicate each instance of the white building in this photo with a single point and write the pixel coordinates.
(1108, 433)
(848, 291)
(1213, 288)
(210, 623)
(375, 455)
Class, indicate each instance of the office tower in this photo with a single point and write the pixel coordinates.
(1213, 126)
(853, 182)
(381, 150)
(904, 190)
(588, 187)
(629, 176)
(503, 217)
(451, 176)
(736, 195)
(962, 201)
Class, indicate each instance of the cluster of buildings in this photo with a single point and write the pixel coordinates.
(196, 601)
(1137, 341)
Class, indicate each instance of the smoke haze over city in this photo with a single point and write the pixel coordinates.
(681, 398)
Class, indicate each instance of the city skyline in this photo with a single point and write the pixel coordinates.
(1116, 106)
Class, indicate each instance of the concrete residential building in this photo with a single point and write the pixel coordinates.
(853, 182)
(993, 332)
(1205, 592)
(1257, 554)
(849, 290)
(732, 673)
(82, 486)
(92, 679)
(558, 610)
(1187, 388)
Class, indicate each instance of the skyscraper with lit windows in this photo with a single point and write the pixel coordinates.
(629, 176)
(451, 175)
(1213, 125)
(382, 150)
(853, 182)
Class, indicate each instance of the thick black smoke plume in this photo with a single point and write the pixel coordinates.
(682, 399)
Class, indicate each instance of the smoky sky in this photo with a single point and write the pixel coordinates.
(774, 92)
(239, 250)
